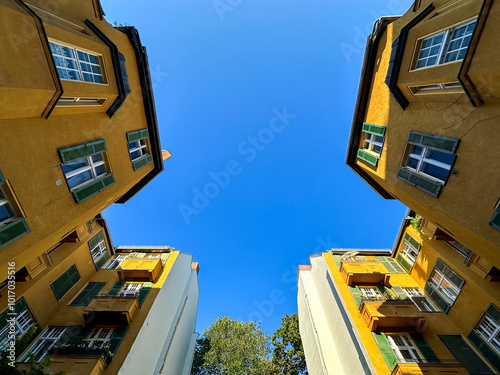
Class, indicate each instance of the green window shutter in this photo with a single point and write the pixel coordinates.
(412, 241)
(146, 287)
(427, 185)
(361, 257)
(388, 265)
(115, 289)
(13, 231)
(82, 333)
(494, 221)
(356, 294)
(65, 282)
(19, 306)
(336, 259)
(139, 163)
(96, 239)
(396, 265)
(494, 313)
(70, 154)
(368, 157)
(405, 263)
(386, 292)
(87, 294)
(374, 129)
(424, 348)
(436, 297)
(137, 135)
(485, 349)
(93, 188)
(400, 292)
(116, 338)
(68, 336)
(386, 350)
(437, 142)
(464, 354)
(449, 273)
(102, 260)
(2, 178)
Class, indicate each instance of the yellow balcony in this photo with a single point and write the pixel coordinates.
(429, 369)
(392, 316)
(364, 273)
(72, 364)
(140, 270)
(111, 310)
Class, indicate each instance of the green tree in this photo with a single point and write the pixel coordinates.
(288, 353)
(230, 347)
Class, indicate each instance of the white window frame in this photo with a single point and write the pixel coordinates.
(371, 293)
(131, 289)
(46, 342)
(437, 279)
(421, 158)
(6, 202)
(443, 45)
(490, 331)
(99, 336)
(75, 59)
(91, 166)
(116, 262)
(23, 322)
(370, 142)
(407, 251)
(98, 250)
(405, 343)
(141, 145)
(420, 300)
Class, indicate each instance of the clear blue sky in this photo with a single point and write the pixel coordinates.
(255, 101)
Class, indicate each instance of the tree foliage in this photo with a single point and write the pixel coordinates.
(230, 347)
(288, 353)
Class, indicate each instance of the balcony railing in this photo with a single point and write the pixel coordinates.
(424, 367)
(86, 348)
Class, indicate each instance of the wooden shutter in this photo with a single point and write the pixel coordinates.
(420, 182)
(436, 142)
(93, 188)
(70, 154)
(405, 263)
(464, 354)
(2, 178)
(485, 349)
(374, 129)
(115, 289)
(356, 294)
(388, 265)
(412, 241)
(368, 157)
(449, 273)
(436, 297)
(65, 282)
(400, 293)
(12, 231)
(386, 350)
(116, 338)
(87, 294)
(424, 348)
(495, 219)
(137, 135)
(146, 287)
(145, 160)
(102, 260)
(96, 239)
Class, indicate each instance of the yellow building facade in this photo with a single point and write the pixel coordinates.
(78, 124)
(427, 307)
(425, 124)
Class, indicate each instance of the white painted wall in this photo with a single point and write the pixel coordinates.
(179, 294)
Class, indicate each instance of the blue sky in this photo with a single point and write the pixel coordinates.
(255, 101)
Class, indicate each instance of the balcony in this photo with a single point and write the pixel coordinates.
(111, 310)
(73, 364)
(446, 367)
(140, 270)
(392, 316)
(364, 273)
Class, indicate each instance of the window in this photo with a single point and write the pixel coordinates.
(115, 262)
(372, 143)
(65, 282)
(427, 161)
(404, 348)
(12, 226)
(371, 293)
(443, 286)
(80, 102)
(495, 219)
(138, 148)
(440, 88)
(98, 250)
(43, 345)
(486, 335)
(460, 248)
(409, 252)
(418, 298)
(131, 289)
(87, 294)
(23, 322)
(86, 169)
(447, 46)
(99, 336)
(489, 329)
(464, 354)
(77, 65)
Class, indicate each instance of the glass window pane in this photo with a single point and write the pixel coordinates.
(412, 163)
(80, 178)
(96, 158)
(79, 163)
(5, 212)
(100, 170)
(435, 171)
(440, 156)
(135, 154)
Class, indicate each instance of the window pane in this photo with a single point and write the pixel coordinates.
(135, 154)
(5, 212)
(97, 158)
(412, 163)
(79, 178)
(417, 150)
(79, 163)
(435, 171)
(100, 170)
